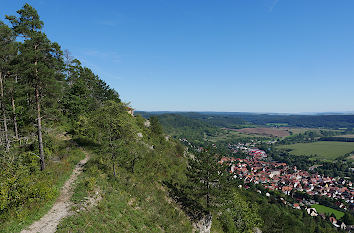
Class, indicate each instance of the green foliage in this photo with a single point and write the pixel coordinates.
(155, 126)
(115, 130)
(183, 127)
(207, 180)
(28, 23)
(26, 190)
(133, 200)
(240, 216)
(85, 92)
(179, 149)
(40, 86)
(209, 189)
(277, 217)
(348, 219)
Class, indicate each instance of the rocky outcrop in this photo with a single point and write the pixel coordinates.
(257, 230)
(147, 123)
(204, 224)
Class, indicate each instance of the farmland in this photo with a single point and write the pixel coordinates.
(274, 132)
(346, 136)
(325, 150)
(278, 131)
(232, 134)
(326, 210)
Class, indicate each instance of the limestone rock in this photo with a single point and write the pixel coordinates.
(204, 224)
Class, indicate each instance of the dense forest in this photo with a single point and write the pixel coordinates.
(180, 126)
(211, 119)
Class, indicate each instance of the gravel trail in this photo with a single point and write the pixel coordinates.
(61, 209)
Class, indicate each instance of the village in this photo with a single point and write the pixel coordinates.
(257, 168)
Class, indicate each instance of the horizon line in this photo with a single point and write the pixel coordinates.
(279, 113)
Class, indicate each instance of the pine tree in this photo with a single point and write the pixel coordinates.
(14, 88)
(7, 52)
(155, 126)
(40, 62)
(208, 181)
(85, 92)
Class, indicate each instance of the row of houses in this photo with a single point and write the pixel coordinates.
(279, 176)
(256, 168)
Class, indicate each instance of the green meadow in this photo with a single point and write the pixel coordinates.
(326, 150)
(326, 210)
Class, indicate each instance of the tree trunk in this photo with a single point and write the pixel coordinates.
(1, 138)
(4, 114)
(14, 117)
(14, 112)
(39, 120)
(114, 169)
(111, 150)
(133, 164)
(39, 128)
(208, 193)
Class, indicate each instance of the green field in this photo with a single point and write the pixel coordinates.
(297, 130)
(323, 150)
(326, 210)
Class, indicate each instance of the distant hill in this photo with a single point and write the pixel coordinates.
(214, 119)
(181, 126)
(236, 119)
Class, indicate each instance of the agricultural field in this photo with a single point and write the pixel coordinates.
(277, 131)
(325, 150)
(228, 134)
(346, 136)
(303, 130)
(272, 132)
(326, 210)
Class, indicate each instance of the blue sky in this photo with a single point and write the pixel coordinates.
(210, 55)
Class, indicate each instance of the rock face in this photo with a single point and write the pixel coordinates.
(147, 123)
(257, 230)
(204, 224)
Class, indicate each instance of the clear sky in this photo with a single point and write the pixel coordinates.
(211, 55)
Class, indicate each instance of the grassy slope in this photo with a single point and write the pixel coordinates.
(130, 203)
(325, 150)
(327, 210)
(54, 176)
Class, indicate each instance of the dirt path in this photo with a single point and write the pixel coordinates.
(49, 222)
